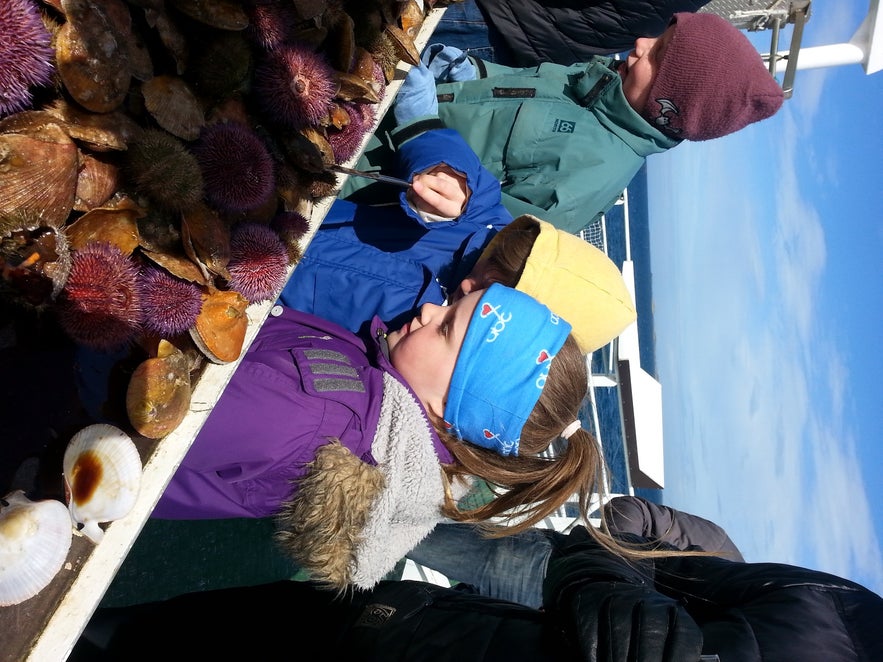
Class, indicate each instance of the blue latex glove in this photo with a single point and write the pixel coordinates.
(417, 96)
(448, 63)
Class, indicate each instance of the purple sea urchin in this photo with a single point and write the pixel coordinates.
(347, 141)
(258, 262)
(295, 85)
(237, 169)
(161, 168)
(291, 228)
(26, 54)
(270, 23)
(380, 78)
(100, 306)
(169, 305)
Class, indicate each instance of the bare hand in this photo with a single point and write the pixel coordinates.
(441, 191)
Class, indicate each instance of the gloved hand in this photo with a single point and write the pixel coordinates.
(417, 96)
(448, 63)
(611, 607)
(630, 623)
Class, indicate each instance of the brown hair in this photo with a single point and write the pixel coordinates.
(530, 486)
(506, 254)
(530, 483)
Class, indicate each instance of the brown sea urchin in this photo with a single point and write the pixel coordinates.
(258, 262)
(161, 168)
(100, 306)
(26, 54)
(295, 85)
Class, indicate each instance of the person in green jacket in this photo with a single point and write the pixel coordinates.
(564, 141)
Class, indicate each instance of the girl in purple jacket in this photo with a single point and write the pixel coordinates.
(359, 449)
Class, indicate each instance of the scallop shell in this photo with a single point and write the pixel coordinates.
(104, 132)
(118, 226)
(158, 396)
(38, 173)
(219, 331)
(412, 18)
(340, 43)
(92, 53)
(35, 537)
(102, 474)
(206, 239)
(97, 181)
(222, 14)
(403, 45)
(174, 106)
(179, 266)
(355, 88)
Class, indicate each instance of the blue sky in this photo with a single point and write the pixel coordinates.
(767, 259)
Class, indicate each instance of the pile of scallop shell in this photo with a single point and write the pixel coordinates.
(102, 475)
(159, 160)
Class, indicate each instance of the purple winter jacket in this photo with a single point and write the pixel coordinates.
(302, 381)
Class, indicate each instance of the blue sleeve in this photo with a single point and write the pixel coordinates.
(484, 215)
(438, 146)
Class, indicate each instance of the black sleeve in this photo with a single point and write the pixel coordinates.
(611, 610)
(629, 514)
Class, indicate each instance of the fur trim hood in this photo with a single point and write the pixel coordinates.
(348, 522)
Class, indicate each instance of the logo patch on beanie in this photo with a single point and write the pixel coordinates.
(668, 111)
(563, 126)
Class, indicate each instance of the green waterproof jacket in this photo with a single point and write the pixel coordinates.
(563, 140)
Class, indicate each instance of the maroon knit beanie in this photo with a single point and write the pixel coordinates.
(711, 81)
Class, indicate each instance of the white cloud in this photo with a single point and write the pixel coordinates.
(754, 388)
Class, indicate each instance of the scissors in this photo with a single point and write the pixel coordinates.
(370, 175)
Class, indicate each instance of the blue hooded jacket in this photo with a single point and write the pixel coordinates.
(386, 260)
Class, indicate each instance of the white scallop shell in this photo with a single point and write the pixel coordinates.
(102, 471)
(35, 537)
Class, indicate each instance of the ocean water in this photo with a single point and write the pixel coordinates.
(607, 398)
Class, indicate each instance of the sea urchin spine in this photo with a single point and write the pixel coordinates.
(100, 305)
(258, 262)
(26, 54)
(170, 305)
(237, 170)
(295, 85)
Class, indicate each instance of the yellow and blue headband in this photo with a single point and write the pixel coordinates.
(501, 368)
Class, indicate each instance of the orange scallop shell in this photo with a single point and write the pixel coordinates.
(220, 327)
(158, 395)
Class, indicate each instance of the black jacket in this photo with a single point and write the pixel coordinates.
(570, 31)
(599, 608)
(397, 621)
(747, 612)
